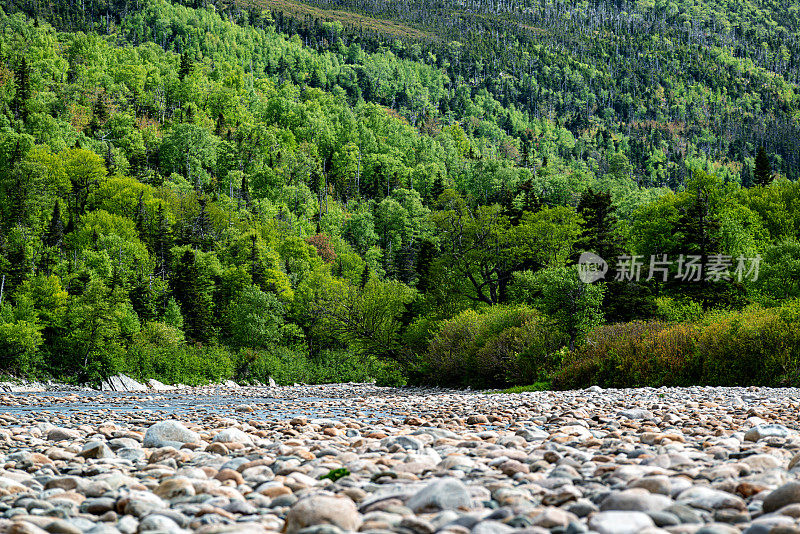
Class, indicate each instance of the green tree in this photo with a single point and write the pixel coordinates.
(193, 289)
(186, 67)
(558, 292)
(476, 247)
(191, 151)
(85, 171)
(255, 319)
(91, 344)
(22, 81)
(763, 170)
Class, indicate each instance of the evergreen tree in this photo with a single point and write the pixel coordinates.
(143, 299)
(697, 229)
(365, 275)
(193, 289)
(22, 80)
(203, 229)
(599, 227)
(140, 219)
(258, 271)
(99, 113)
(747, 177)
(437, 188)
(162, 243)
(54, 236)
(186, 67)
(427, 252)
(763, 170)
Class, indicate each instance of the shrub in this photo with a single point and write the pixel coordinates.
(498, 346)
(755, 346)
(631, 354)
(678, 310)
(179, 364)
(287, 366)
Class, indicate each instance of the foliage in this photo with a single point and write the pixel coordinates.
(197, 193)
(497, 346)
(757, 346)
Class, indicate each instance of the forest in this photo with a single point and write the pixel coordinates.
(323, 192)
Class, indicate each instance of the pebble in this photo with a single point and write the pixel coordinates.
(354, 457)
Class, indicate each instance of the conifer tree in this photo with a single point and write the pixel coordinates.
(365, 274)
(258, 271)
(186, 67)
(425, 258)
(22, 79)
(763, 170)
(162, 243)
(203, 229)
(599, 234)
(140, 219)
(193, 290)
(54, 236)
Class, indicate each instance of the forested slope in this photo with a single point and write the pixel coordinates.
(199, 192)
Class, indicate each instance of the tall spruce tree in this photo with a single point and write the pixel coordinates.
(763, 170)
(54, 236)
(193, 289)
(186, 67)
(22, 80)
(258, 271)
(599, 228)
(162, 243)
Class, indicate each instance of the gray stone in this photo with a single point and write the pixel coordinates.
(63, 434)
(405, 442)
(491, 527)
(168, 434)
(443, 494)
(159, 523)
(787, 494)
(635, 500)
(710, 499)
(760, 432)
(636, 413)
(314, 510)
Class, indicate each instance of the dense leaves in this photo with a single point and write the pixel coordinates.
(195, 194)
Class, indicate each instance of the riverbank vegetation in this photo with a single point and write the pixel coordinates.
(196, 193)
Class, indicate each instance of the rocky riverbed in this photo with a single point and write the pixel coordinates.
(331, 459)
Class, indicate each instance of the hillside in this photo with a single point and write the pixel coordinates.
(198, 192)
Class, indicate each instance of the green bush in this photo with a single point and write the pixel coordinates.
(755, 346)
(499, 346)
(287, 366)
(179, 364)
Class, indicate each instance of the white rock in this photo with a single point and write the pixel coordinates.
(233, 435)
(122, 382)
(159, 386)
(169, 434)
(615, 522)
